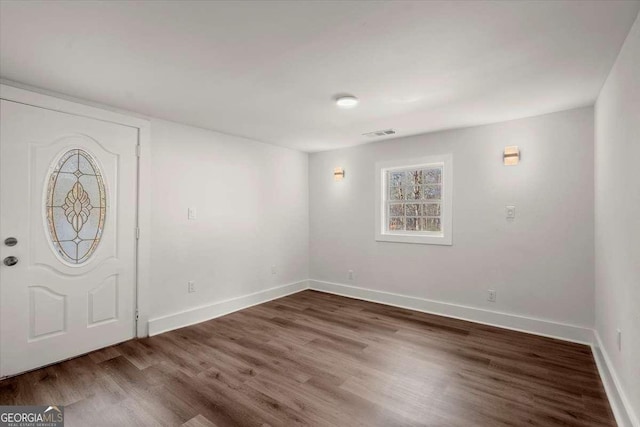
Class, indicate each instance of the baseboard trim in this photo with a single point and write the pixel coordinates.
(514, 322)
(203, 313)
(565, 332)
(622, 410)
(624, 414)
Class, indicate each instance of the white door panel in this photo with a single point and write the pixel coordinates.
(66, 298)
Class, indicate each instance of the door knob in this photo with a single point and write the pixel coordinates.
(10, 241)
(10, 261)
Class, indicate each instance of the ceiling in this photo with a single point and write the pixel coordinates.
(269, 70)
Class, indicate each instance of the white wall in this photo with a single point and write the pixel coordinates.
(617, 219)
(252, 213)
(541, 264)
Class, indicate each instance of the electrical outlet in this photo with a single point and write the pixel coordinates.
(619, 339)
(350, 274)
(510, 212)
(492, 295)
(191, 287)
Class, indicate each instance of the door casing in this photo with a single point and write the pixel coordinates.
(61, 103)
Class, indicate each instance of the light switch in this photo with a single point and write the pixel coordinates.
(511, 212)
(191, 213)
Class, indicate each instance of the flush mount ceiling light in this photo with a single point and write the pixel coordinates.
(346, 101)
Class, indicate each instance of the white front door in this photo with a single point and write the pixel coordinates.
(68, 197)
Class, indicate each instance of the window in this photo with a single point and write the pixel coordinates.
(413, 203)
(76, 205)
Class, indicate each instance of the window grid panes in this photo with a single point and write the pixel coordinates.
(413, 200)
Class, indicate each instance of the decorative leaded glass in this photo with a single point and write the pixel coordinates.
(421, 191)
(76, 206)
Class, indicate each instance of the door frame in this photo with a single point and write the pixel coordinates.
(52, 101)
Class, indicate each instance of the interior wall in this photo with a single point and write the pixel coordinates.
(251, 202)
(617, 218)
(541, 264)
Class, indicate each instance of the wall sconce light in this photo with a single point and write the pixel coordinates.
(338, 174)
(511, 156)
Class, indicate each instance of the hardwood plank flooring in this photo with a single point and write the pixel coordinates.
(325, 360)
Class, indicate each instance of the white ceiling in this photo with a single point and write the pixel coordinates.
(269, 70)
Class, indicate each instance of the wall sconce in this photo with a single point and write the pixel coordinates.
(338, 174)
(511, 156)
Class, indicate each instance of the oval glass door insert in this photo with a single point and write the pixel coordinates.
(76, 206)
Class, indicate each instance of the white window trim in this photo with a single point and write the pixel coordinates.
(442, 238)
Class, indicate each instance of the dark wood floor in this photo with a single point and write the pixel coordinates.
(319, 359)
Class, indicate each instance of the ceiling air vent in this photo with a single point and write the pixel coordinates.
(379, 133)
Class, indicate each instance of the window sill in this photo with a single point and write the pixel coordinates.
(415, 239)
